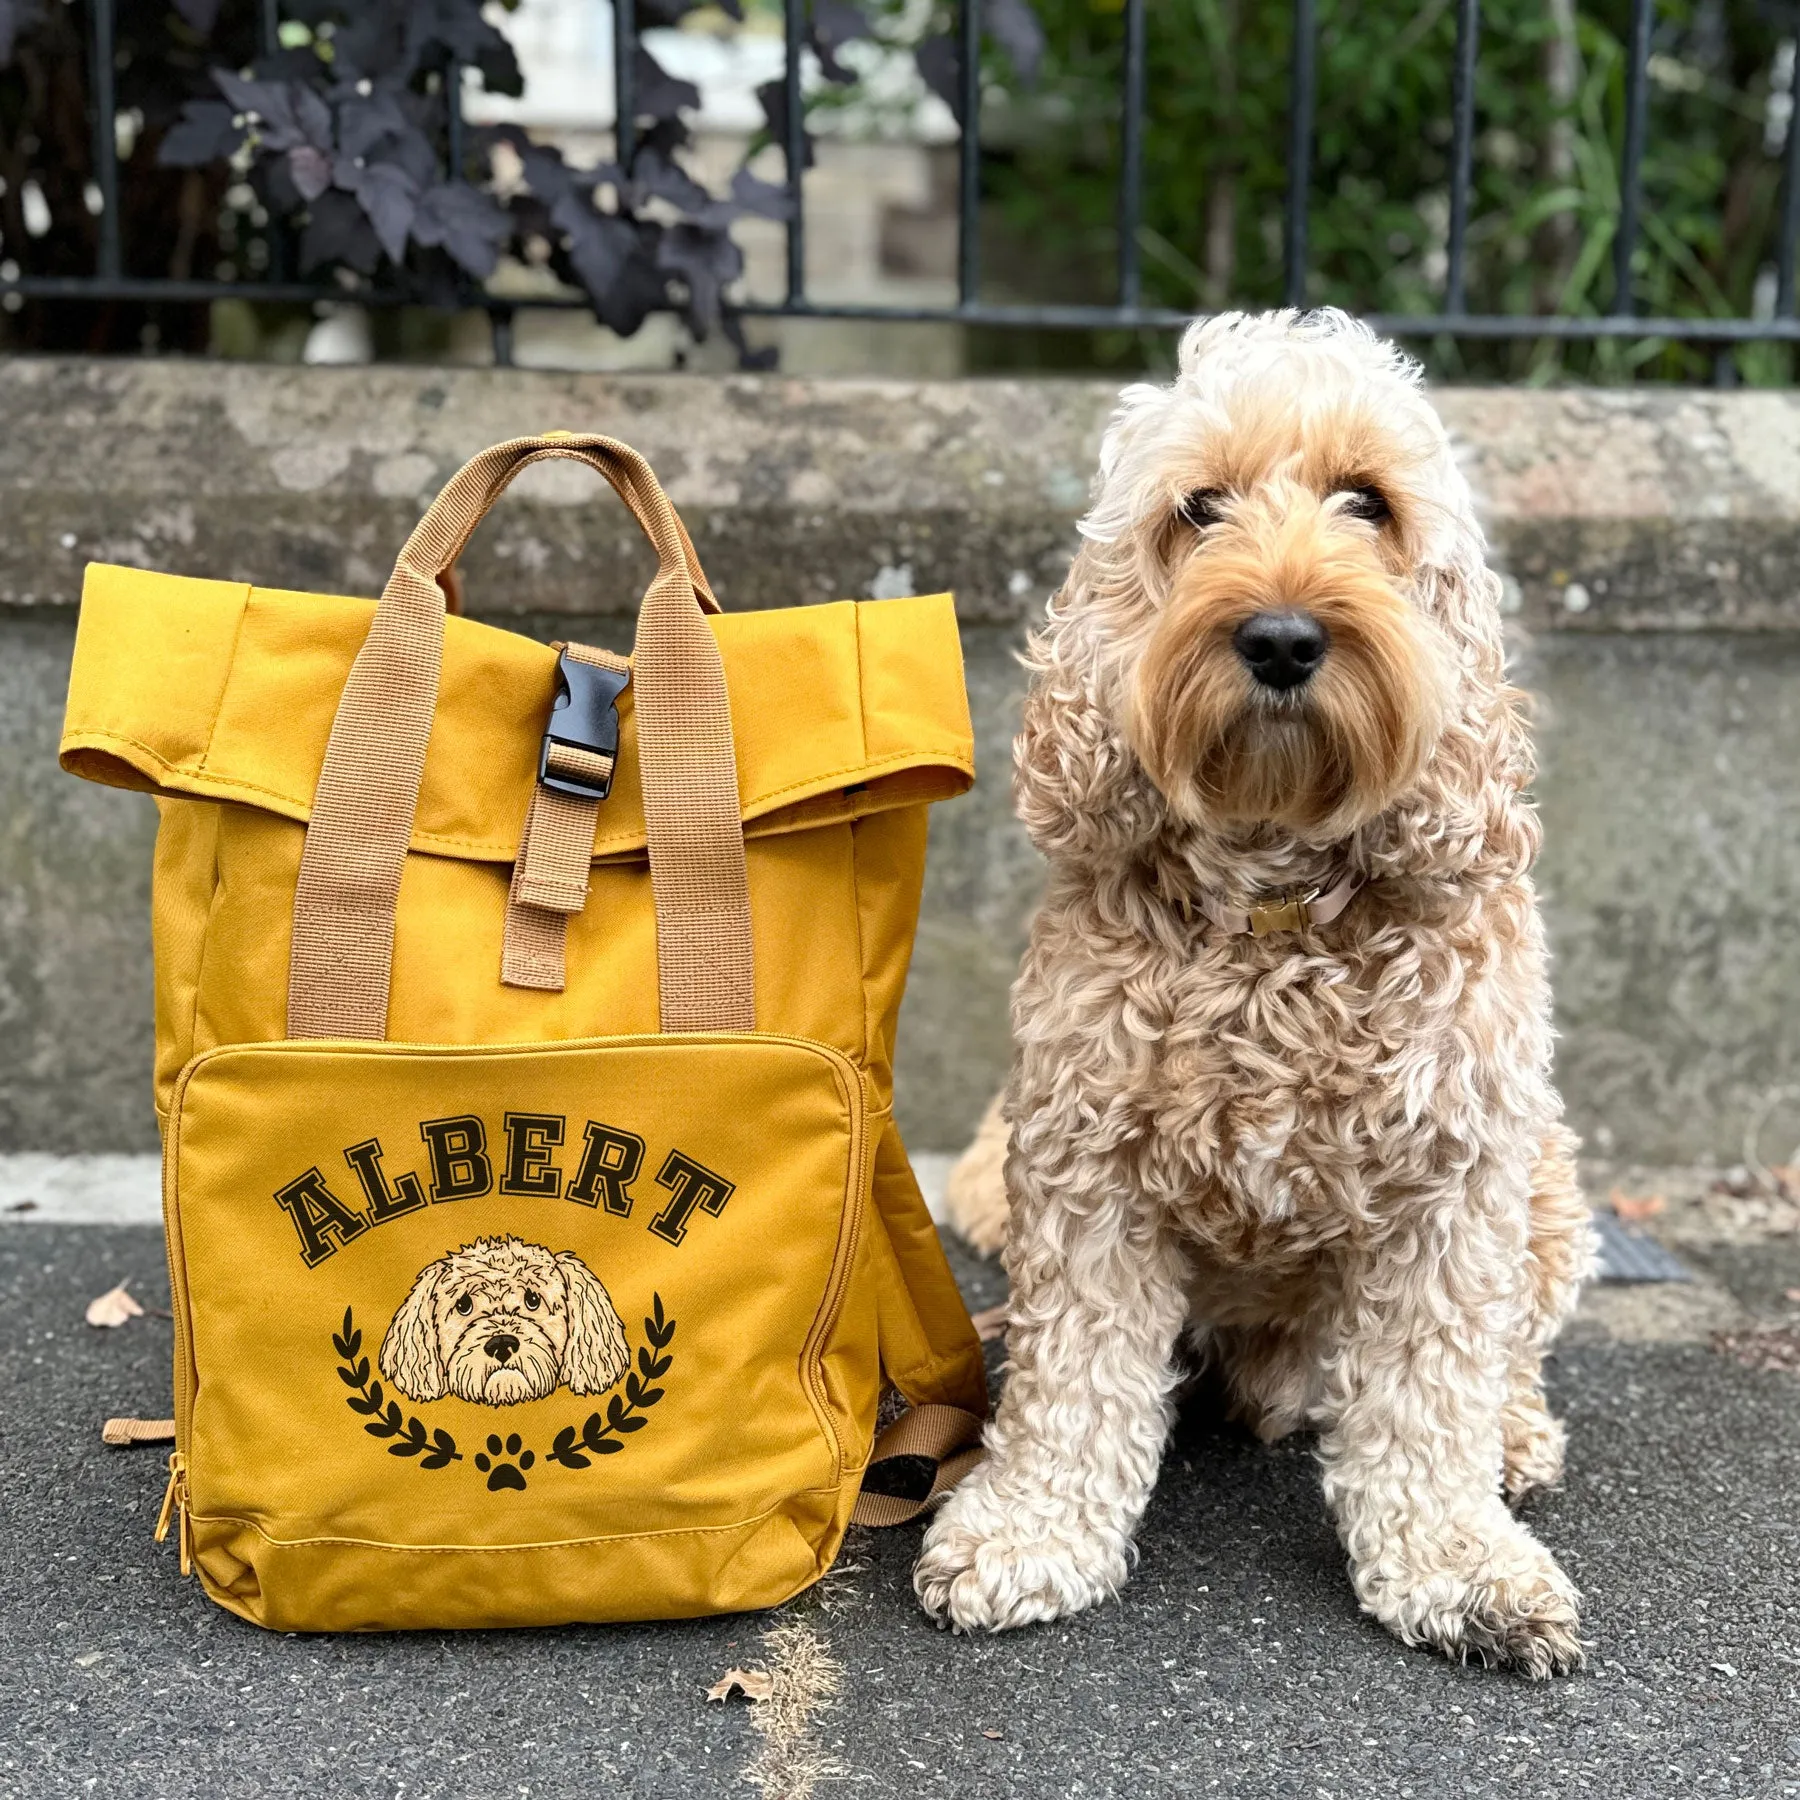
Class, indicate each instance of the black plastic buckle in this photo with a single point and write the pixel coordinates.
(584, 716)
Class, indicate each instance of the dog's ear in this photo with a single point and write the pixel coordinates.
(1078, 787)
(1467, 818)
(596, 1353)
(409, 1352)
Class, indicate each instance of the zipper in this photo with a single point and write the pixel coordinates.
(844, 1268)
(175, 1511)
(176, 1505)
(178, 1287)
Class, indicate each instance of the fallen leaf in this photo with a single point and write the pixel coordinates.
(990, 1734)
(753, 1684)
(88, 1658)
(989, 1323)
(1773, 1349)
(22, 1206)
(1635, 1206)
(1792, 1294)
(113, 1307)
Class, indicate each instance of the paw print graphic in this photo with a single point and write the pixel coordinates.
(494, 1463)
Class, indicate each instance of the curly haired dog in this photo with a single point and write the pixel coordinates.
(500, 1321)
(1283, 1030)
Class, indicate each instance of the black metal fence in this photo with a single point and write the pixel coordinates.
(109, 282)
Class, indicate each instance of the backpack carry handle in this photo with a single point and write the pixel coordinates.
(348, 891)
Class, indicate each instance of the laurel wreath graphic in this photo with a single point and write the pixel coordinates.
(575, 1447)
(436, 1449)
(624, 1412)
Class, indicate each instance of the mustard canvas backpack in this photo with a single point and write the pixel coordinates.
(540, 1237)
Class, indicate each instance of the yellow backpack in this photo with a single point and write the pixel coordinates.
(538, 1227)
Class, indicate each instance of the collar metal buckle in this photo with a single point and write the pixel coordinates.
(585, 717)
(1290, 911)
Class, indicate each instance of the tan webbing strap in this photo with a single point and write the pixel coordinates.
(362, 816)
(556, 849)
(138, 1431)
(945, 1435)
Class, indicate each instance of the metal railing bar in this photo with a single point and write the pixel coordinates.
(1072, 318)
(1131, 154)
(794, 148)
(1302, 94)
(968, 198)
(624, 81)
(1789, 239)
(1462, 153)
(453, 119)
(102, 52)
(500, 332)
(278, 234)
(1637, 103)
(1404, 325)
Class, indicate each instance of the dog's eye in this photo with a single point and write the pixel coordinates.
(1203, 507)
(466, 1305)
(1368, 504)
(532, 1299)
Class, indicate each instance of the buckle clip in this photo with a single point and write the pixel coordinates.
(1291, 912)
(584, 716)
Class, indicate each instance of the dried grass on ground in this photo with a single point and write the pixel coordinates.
(790, 1763)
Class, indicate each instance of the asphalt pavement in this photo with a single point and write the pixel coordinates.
(1235, 1662)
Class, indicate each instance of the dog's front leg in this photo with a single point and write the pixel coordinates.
(1412, 1451)
(1043, 1527)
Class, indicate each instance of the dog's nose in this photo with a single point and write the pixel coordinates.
(1281, 649)
(501, 1347)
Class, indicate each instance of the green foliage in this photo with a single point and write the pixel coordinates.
(1550, 113)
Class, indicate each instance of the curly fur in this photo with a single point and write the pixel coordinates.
(1334, 1157)
(500, 1321)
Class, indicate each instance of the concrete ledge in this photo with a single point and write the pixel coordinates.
(1639, 510)
(1651, 537)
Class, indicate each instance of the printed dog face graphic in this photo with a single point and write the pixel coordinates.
(500, 1321)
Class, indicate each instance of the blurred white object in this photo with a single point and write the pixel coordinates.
(343, 335)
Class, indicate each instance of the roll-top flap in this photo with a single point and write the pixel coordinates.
(225, 691)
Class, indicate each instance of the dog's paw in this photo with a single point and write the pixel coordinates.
(1534, 1444)
(978, 1572)
(1514, 1609)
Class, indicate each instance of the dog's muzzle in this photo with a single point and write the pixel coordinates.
(503, 1361)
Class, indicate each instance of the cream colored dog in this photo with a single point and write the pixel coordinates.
(1283, 1031)
(500, 1321)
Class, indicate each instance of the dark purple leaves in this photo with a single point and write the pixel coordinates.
(751, 194)
(704, 259)
(655, 174)
(656, 93)
(1011, 24)
(15, 15)
(388, 196)
(309, 170)
(204, 133)
(940, 63)
(286, 113)
(366, 120)
(338, 231)
(200, 15)
(835, 23)
(772, 98)
(468, 225)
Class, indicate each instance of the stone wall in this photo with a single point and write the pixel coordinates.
(1649, 537)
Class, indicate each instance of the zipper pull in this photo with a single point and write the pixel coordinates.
(175, 1509)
